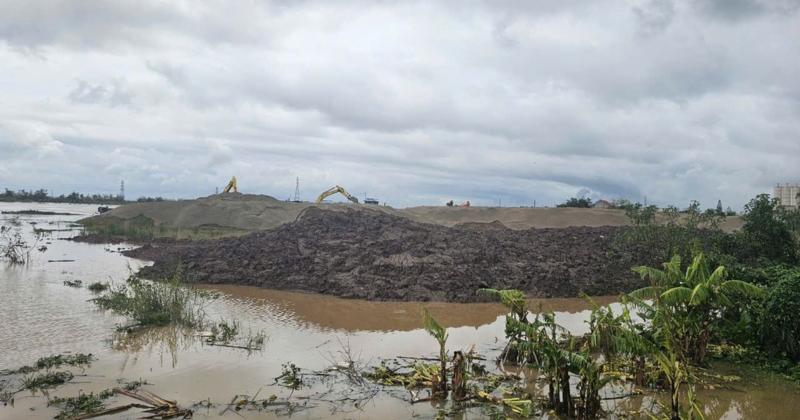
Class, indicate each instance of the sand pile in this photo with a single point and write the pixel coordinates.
(379, 256)
(259, 212)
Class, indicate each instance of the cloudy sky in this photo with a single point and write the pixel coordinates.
(410, 102)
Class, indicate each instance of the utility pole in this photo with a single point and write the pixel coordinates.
(297, 190)
(122, 190)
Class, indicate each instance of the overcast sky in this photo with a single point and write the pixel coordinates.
(410, 102)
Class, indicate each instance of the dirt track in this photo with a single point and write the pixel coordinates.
(379, 256)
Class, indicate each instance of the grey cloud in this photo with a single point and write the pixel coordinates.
(736, 10)
(654, 16)
(115, 94)
(413, 102)
(732, 9)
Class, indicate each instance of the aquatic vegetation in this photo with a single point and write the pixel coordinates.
(57, 360)
(228, 334)
(13, 248)
(290, 376)
(223, 332)
(80, 405)
(156, 303)
(98, 287)
(42, 381)
(132, 385)
(73, 283)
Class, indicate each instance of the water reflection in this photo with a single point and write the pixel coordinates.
(332, 313)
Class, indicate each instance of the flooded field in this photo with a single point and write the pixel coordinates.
(40, 316)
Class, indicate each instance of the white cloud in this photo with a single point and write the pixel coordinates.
(27, 140)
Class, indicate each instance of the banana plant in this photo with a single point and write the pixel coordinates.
(695, 296)
(440, 334)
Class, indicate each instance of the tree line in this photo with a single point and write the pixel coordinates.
(43, 196)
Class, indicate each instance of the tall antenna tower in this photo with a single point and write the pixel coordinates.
(122, 190)
(297, 190)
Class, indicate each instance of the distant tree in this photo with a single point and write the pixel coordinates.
(768, 230)
(577, 202)
(730, 212)
(621, 203)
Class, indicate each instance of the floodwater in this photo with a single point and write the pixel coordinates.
(40, 316)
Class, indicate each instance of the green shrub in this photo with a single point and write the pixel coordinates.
(577, 202)
(780, 322)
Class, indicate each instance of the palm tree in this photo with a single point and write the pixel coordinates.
(695, 296)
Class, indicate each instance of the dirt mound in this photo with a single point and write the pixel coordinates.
(480, 226)
(240, 211)
(248, 212)
(378, 256)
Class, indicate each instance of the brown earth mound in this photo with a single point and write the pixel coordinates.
(378, 256)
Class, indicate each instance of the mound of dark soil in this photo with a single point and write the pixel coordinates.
(374, 255)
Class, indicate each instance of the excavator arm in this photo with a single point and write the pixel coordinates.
(333, 190)
(231, 186)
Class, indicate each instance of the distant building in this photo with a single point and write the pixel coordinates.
(601, 204)
(787, 194)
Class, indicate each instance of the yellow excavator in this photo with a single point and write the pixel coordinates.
(231, 186)
(334, 190)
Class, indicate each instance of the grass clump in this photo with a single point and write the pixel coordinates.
(73, 283)
(97, 287)
(72, 407)
(49, 362)
(156, 303)
(40, 381)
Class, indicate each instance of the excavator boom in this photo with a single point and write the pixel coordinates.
(333, 190)
(231, 186)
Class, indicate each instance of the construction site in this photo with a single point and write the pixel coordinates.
(377, 252)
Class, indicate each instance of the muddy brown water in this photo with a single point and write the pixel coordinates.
(39, 316)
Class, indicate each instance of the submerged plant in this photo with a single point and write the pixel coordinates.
(97, 287)
(42, 381)
(81, 405)
(290, 376)
(224, 331)
(156, 303)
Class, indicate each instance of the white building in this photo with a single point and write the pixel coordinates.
(788, 194)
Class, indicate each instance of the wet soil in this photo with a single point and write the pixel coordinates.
(377, 256)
